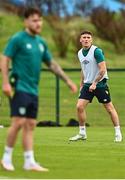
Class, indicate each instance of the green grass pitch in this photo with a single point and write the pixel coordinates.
(99, 157)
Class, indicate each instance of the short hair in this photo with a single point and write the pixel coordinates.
(31, 11)
(86, 32)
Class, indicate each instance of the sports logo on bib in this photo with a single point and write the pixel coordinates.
(85, 61)
(28, 46)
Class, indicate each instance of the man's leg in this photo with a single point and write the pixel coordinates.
(27, 139)
(81, 114)
(16, 125)
(27, 134)
(115, 119)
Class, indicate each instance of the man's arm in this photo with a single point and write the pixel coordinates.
(102, 70)
(57, 70)
(6, 87)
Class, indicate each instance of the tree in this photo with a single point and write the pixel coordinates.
(61, 35)
(110, 26)
(120, 1)
(83, 8)
(49, 7)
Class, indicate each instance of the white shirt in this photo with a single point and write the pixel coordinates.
(89, 65)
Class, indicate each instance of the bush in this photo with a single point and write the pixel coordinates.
(61, 34)
(110, 26)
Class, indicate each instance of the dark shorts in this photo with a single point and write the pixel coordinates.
(101, 93)
(24, 105)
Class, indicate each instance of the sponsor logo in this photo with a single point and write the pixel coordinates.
(28, 46)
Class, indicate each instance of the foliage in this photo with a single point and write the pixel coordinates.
(54, 8)
(75, 39)
(48, 7)
(1, 25)
(110, 27)
(61, 35)
(83, 9)
(121, 1)
(74, 25)
(8, 6)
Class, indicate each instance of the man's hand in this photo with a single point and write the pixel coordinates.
(7, 89)
(92, 87)
(72, 86)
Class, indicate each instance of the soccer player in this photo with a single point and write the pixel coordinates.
(93, 83)
(26, 50)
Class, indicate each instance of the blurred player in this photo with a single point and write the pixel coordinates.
(93, 83)
(26, 50)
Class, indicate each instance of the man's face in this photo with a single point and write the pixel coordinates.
(86, 40)
(34, 23)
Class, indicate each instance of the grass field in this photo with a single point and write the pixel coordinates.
(96, 158)
(96, 114)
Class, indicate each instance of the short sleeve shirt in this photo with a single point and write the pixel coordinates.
(27, 53)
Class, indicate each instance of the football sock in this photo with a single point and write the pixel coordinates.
(82, 130)
(29, 157)
(7, 156)
(117, 130)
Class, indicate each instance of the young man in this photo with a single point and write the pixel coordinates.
(26, 50)
(93, 83)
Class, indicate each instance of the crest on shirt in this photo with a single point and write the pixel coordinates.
(85, 61)
(41, 47)
(28, 46)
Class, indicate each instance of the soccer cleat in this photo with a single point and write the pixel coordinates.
(78, 137)
(7, 166)
(118, 138)
(35, 167)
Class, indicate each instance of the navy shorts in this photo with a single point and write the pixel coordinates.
(101, 93)
(23, 104)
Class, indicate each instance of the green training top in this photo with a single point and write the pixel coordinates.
(99, 56)
(27, 53)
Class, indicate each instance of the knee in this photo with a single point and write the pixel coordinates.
(31, 125)
(79, 107)
(110, 109)
(17, 123)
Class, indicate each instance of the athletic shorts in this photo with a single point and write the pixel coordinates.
(101, 93)
(23, 104)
